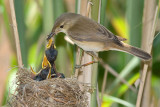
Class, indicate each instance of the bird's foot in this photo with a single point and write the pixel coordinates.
(89, 63)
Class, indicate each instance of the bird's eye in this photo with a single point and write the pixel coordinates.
(61, 26)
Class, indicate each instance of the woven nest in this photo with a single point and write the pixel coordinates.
(55, 92)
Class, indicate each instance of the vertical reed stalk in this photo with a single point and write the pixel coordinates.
(16, 35)
(149, 22)
(95, 15)
(89, 74)
(78, 53)
(81, 57)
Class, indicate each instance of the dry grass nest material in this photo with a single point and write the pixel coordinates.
(54, 92)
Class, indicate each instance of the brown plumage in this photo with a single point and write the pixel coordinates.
(92, 36)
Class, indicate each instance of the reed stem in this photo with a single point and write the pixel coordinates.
(16, 35)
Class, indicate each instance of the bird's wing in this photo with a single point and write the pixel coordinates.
(89, 30)
(105, 32)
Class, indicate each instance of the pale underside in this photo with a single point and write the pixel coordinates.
(89, 46)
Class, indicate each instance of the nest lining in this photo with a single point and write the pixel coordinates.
(55, 92)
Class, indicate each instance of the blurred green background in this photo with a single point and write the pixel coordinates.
(35, 19)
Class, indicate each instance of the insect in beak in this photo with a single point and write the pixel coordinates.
(50, 35)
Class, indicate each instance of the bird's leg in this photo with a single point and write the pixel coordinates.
(89, 63)
(93, 54)
(86, 64)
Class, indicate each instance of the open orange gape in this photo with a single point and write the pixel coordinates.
(48, 66)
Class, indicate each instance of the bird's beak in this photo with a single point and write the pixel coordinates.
(50, 35)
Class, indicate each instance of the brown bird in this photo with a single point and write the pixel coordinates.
(92, 36)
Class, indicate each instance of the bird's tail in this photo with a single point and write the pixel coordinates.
(133, 50)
